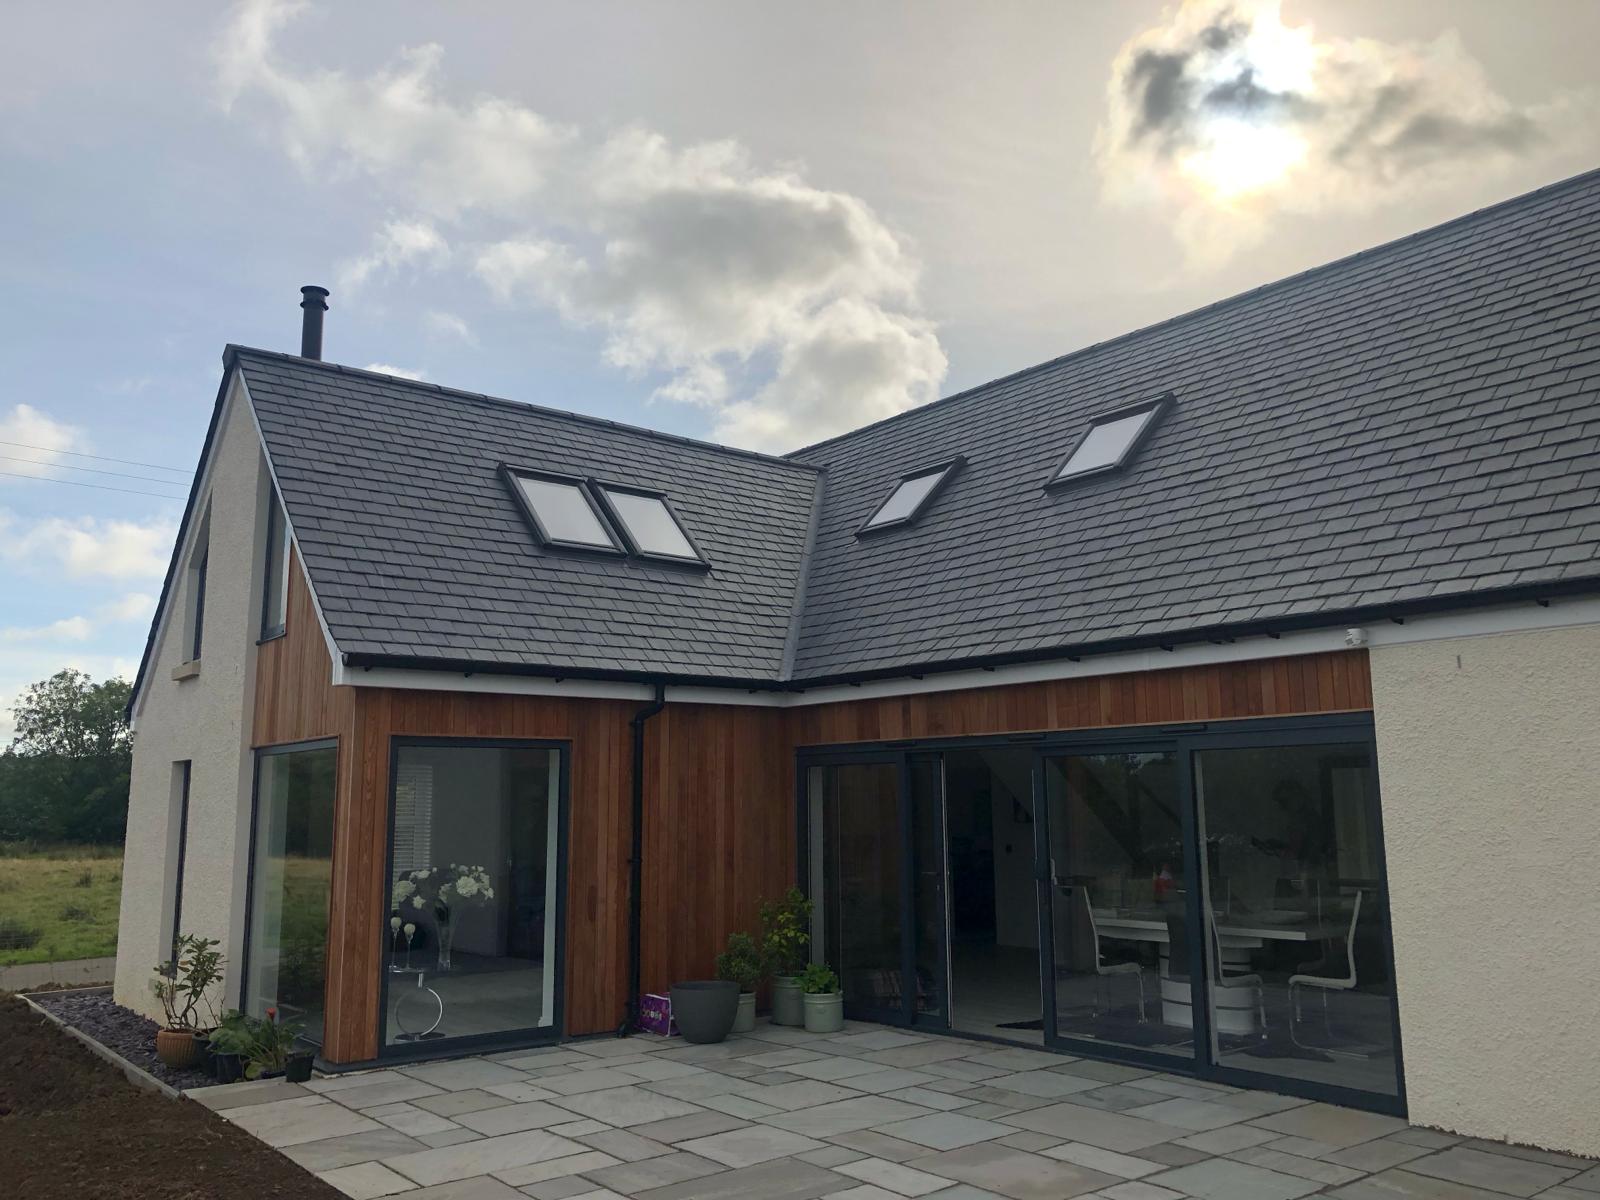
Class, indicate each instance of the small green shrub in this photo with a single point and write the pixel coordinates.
(73, 912)
(785, 932)
(818, 979)
(741, 962)
(14, 935)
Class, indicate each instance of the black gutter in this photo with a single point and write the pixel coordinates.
(636, 859)
(1540, 593)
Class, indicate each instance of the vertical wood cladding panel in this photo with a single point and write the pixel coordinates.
(295, 701)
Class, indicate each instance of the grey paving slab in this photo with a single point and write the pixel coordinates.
(367, 1180)
(1015, 1173)
(1318, 1170)
(1110, 1131)
(1377, 1155)
(803, 1093)
(306, 1119)
(1048, 1084)
(1337, 1127)
(750, 1145)
(463, 1073)
(845, 1116)
(896, 1178)
(480, 1188)
(385, 1091)
(786, 1180)
(625, 1145)
(1586, 1181)
(1531, 1154)
(344, 1150)
(680, 1129)
(1224, 1179)
(514, 1118)
(242, 1095)
(1196, 1115)
(449, 1104)
(556, 1168)
(1497, 1172)
(626, 1106)
(1401, 1184)
(482, 1157)
(648, 1174)
(946, 1130)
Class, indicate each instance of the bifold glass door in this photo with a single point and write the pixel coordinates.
(1115, 893)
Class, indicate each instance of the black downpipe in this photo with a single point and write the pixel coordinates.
(636, 860)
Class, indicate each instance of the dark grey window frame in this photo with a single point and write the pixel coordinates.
(947, 469)
(1158, 408)
(187, 773)
(277, 533)
(598, 489)
(198, 638)
(511, 474)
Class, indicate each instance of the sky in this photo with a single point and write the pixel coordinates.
(757, 224)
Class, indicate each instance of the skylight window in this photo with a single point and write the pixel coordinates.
(648, 524)
(1112, 440)
(561, 512)
(910, 497)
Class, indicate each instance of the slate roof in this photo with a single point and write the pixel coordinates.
(416, 549)
(1413, 427)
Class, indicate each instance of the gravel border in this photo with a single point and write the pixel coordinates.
(128, 1035)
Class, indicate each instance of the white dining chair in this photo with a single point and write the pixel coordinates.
(1103, 968)
(1325, 983)
(1245, 979)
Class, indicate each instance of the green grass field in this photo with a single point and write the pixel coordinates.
(58, 903)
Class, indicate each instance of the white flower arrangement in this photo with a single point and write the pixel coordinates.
(444, 887)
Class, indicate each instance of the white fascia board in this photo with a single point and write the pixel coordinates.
(182, 550)
(294, 540)
(1472, 623)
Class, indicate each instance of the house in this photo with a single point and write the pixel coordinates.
(1224, 696)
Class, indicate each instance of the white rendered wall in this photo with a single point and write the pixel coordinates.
(1489, 757)
(205, 719)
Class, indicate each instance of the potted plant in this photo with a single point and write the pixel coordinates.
(824, 1002)
(273, 1045)
(183, 986)
(231, 1043)
(785, 938)
(704, 1009)
(740, 963)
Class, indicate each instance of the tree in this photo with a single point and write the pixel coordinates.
(65, 775)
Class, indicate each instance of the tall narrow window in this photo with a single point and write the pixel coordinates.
(195, 609)
(910, 497)
(275, 594)
(291, 866)
(179, 817)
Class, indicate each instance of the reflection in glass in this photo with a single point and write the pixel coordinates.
(1117, 900)
(472, 899)
(928, 894)
(855, 864)
(286, 950)
(1298, 962)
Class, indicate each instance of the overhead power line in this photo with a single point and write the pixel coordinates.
(97, 486)
(91, 470)
(98, 457)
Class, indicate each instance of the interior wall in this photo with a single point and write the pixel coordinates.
(1491, 805)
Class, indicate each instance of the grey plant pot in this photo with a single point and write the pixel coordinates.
(704, 1009)
(824, 1012)
(745, 1020)
(787, 1006)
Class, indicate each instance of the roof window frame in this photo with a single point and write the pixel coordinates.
(598, 490)
(1158, 410)
(947, 469)
(510, 474)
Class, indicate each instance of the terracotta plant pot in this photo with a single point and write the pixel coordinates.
(745, 1019)
(787, 1006)
(704, 1009)
(824, 1012)
(178, 1048)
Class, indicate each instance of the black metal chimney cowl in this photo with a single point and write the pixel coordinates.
(313, 306)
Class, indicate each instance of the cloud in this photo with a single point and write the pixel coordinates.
(89, 547)
(33, 441)
(1222, 114)
(69, 629)
(398, 372)
(448, 325)
(788, 311)
(397, 245)
(130, 607)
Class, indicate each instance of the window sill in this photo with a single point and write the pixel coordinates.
(270, 636)
(188, 670)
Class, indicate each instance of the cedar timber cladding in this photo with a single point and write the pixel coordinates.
(294, 699)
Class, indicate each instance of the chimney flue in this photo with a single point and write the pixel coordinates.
(313, 306)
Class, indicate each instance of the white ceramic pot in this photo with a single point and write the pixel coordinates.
(788, 1007)
(824, 1012)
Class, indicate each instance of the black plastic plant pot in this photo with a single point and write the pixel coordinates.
(228, 1067)
(298, 1068)
(704, 1009)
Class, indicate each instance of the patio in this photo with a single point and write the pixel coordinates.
(868, 1114)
